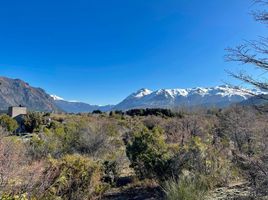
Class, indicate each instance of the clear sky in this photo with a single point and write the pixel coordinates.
(100, 51)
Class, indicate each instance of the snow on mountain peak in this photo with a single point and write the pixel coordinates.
(220, 96)
(55, 97)
(222, 90)
(172, 92)
(199, 90)
(226, 90)
(142, 92)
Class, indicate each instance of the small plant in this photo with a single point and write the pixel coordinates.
(187, 188)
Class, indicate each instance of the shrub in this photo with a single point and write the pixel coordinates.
(147, 152)
(204, 160)
(33, 121)
(71, 177)
(8, 123)
(111, 171)
(91, 141)
(96, 112)
(12, 159)
(60, 139)
(47, 143)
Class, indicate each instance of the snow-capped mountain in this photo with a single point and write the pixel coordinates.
(15, 92)
(219, 96)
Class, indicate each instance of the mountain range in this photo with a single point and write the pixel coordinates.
(219, 96)
(14, 92)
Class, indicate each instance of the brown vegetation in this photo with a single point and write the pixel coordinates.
(86, 156)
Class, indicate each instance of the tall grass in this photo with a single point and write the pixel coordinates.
(184, 189)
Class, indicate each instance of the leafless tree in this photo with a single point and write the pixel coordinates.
(253, 52)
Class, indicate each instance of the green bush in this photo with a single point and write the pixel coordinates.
(111, 171)
(8, 123)
(71, 177)
(203, 159)
(33, 121)
(58, 140)
(147, 152)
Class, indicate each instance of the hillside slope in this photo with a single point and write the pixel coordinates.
(14, 92)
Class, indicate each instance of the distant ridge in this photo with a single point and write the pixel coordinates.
(259, 100)
(219, 96)
(14, 92)
(80, 107)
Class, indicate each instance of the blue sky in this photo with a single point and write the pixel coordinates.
(100, 51)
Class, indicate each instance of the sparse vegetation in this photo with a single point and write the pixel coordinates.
(82, 156)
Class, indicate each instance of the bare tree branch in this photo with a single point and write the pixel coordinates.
(249, 79)
(242, 54)
(253, 52)
(261, 15)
